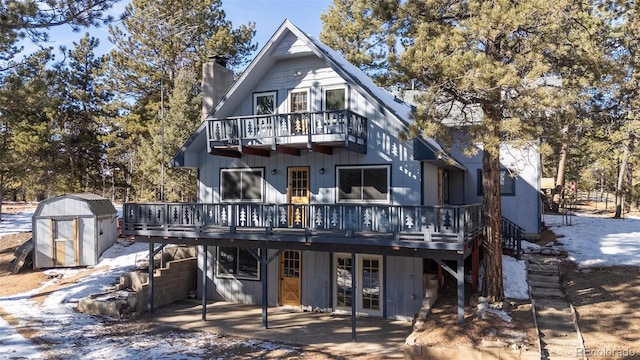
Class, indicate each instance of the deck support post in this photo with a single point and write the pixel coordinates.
(265, 296)
(475, 263)
(353, 296)
(460, 278)
(204, 281)
(151, 271)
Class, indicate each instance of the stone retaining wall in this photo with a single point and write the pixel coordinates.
(424, 352)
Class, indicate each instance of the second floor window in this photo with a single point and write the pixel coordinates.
(334, 99)
(299, 101)
(265, 103)
(241, 185)
(363, 184)
(507, 183)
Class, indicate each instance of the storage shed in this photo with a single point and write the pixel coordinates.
(73, 230)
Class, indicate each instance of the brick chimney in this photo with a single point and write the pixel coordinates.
(216, 80)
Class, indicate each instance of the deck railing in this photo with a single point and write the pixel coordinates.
(452, 224)
(260, 129)
(512, 237)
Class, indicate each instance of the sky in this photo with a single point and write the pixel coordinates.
(267, 15)
(590, 242)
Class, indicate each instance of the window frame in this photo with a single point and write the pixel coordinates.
(274, 94)
(225, 274)
(324, 97)
(504, 188)
(241, 171)
(298, 91)
(362, 168)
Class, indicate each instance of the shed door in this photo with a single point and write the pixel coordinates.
(65, 243)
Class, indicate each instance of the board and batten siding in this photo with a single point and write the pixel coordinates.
(405, 293)
(384, 147)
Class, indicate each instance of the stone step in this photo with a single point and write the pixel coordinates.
(544, 278)
(544, 284)
(557, 352)
(543, 260)
(543, 269)
(540, 292)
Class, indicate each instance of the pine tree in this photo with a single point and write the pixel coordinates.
(502, 65)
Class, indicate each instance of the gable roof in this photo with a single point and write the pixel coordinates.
(263, 61)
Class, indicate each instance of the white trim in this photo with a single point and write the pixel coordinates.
(358, 296)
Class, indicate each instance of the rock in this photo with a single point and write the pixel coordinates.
(546, 252)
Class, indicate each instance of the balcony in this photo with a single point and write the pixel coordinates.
(289, 133)
(426, 227)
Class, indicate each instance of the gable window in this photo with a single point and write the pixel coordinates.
(299, 101)
(363, 184)
(507, 183)
(236, 262)
(242, 185)
(264, 103)
(334, 99)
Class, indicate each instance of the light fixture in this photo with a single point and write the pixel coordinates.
(274, 171)
(321, 171)
(297, 73)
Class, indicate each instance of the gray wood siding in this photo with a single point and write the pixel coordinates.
(430, 184)
(404, 288)
(316, 280)
(384, 147)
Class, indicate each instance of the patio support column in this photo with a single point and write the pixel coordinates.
(353, 296)
(460, 278)
(204, 281)
(151, 271)
(265, 295)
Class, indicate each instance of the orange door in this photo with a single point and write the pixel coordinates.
(298, 196)
(290, 277)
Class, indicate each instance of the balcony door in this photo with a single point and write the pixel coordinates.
(298, 195)
(368, 286)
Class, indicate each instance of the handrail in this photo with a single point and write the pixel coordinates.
(512, 236)
(233, 130)
(447, 223)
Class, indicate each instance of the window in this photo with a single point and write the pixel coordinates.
(334, 99)
(507, 183)
(264, 103)
(299, 101)
(242, 185)
(357, 184)
(238, 263)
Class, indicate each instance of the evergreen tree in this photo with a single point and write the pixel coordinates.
(158, 40)
(30, 19)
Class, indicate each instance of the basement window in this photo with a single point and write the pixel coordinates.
(237, 263)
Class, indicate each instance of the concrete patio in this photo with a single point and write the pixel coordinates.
(375, 338)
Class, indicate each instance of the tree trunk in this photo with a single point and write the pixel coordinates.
(621, 177)
(492, 287)
(557, 192)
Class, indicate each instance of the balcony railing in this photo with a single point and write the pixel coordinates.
(450, 224)
(274, 128)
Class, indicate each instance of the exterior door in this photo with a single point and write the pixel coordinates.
(298, 180)
(290, 278)
(368, 294)
(65, 242)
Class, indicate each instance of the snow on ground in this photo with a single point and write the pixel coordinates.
(598, 241)
(590, 241)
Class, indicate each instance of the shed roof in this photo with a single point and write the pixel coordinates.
(97, 204)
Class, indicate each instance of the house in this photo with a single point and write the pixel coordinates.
(308, 198)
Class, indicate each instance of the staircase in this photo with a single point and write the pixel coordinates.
(554, 316)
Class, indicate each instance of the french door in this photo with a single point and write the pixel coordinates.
(368, 283)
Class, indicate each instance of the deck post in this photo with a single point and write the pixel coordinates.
(204, 281)
(460, 278)
(353, 296)
(151, 271)
(265, 296)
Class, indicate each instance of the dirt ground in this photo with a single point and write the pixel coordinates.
(606, 300)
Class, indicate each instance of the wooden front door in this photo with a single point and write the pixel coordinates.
(290, 277)
(298, 195)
